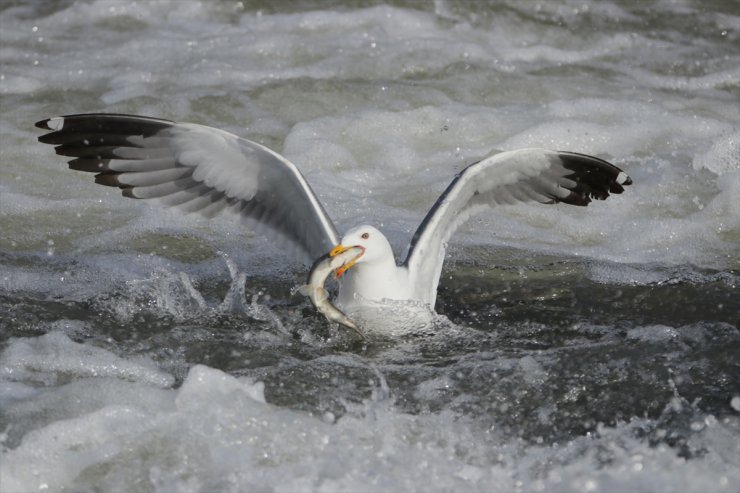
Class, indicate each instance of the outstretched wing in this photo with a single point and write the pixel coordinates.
(526, 175)
(196, 168)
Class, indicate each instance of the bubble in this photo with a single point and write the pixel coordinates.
(735, 403)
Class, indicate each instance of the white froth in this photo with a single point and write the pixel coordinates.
(735, 403)
(53, 356)
(380, 107)
(723, 158)
(221, 435)
(393, 145)
(655, 333)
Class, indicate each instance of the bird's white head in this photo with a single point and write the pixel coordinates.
(375, 246)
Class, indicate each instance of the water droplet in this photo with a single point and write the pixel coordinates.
(735, 403)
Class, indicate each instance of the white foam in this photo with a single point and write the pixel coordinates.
(53, 356)
(19, 85)
(655, 333)
(723, 157)
(380, 107)
(383, 158)
(217, 433)
(735, 403)
(14, 391)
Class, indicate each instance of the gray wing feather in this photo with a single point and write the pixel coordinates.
(198, 169)
(526, 175)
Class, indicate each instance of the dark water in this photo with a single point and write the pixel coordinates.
(537, 349)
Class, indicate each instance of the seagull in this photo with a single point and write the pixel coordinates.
(201, 169)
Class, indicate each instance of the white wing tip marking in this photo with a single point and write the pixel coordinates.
(55, 123)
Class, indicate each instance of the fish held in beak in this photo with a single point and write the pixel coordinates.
(345, 257)
(315, 290)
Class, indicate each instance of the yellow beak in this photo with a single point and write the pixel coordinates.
(337, 250)
(344, 268)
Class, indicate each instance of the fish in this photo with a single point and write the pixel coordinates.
(319, 296)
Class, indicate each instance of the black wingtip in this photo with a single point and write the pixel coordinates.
(104, 123)
(53, 123)
(108, 179)
(595, 178)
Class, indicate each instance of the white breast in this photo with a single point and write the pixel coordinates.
(374, 283)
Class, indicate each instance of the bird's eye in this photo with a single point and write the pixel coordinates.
(365, 236)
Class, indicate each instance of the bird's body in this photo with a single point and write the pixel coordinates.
(375, 282)
(201, 169)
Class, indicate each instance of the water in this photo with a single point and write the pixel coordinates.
(576, 349)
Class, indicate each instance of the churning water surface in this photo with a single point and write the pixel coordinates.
(577, 349)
